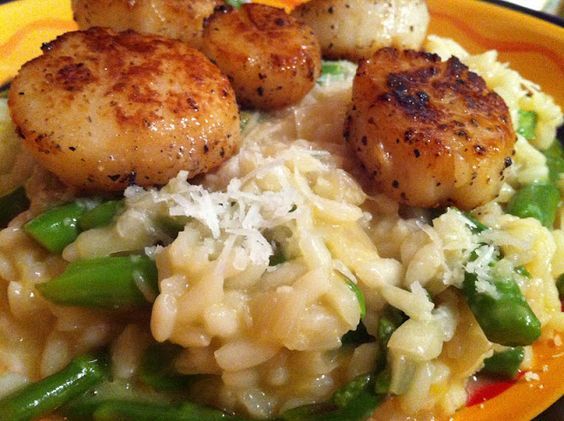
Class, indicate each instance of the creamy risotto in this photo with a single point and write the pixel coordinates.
(282, 277)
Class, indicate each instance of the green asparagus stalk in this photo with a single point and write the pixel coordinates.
(539, 201)
(347, 394)
(390, 320)
(107, 282)
(360, 409)
(382, 381)
(120, 410)
(527, 124)
(101, 215)
(45, 396)
(502, 312)
(504, 364)
(58, 227)
(504, 316)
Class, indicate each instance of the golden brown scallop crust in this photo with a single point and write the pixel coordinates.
(178, 19)
(271, 59)
(353, 30)
(430, 133)
(103, 110)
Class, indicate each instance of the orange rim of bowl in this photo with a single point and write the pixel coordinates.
(534, 47)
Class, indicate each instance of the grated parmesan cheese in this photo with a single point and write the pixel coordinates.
(273, 193)
(480, 266)
(531, 376)
(234, 212)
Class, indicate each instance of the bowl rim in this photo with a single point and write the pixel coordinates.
(554, 19)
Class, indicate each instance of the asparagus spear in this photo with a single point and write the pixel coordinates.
(57, 227)
(539, 201)
(119, 410)
(108, 282)
(100, 215)
(43, 397)
(504, 364)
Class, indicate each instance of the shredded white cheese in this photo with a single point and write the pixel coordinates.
(234, 212)
(531, 376)
(480, 266)
(274, 193)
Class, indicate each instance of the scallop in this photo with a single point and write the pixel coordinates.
(430, 133)
(178, 19)
(271, 59)
(103, 110)
(355, 29)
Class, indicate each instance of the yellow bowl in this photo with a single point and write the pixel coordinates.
(531, 46)
(24, 26)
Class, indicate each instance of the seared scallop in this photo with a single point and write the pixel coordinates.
(355, 29)
(179, 19)
(430, 133)
(271, 59)
(103, 110)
